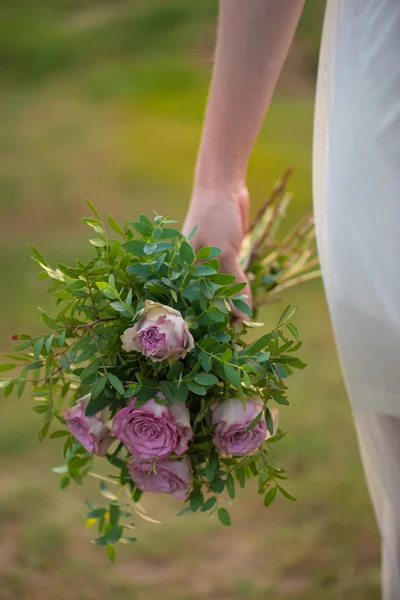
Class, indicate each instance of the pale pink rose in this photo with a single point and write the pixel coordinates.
(165, 477)
(161, 333)
(231, 421)
(92, 432)
(153, 430)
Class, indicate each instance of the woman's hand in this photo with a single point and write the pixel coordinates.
(221, 218)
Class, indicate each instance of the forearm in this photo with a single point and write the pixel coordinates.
(254, 37)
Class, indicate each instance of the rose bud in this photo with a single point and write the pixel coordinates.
(161, 333)
(165, 477)
(153, 430)
(92, 432)
(231, 421)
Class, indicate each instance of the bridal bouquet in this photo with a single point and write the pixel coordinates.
(144, 366)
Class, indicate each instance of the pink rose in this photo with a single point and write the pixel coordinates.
(91, 432)
(231, 421)
(153, 430)
(166, 477)
(161, 333)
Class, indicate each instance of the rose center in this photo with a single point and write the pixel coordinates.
(151, 339)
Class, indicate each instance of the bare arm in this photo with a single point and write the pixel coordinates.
(253, 39)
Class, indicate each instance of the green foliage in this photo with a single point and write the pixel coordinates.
(81, 354)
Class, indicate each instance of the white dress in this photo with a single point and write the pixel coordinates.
(356, 180)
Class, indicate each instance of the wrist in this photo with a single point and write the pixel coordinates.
(212, 173)
(220, 166)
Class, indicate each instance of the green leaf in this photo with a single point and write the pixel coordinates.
(270, 496)
(286, 494)
(196, 500)
(280, 369)
(234, 289)
(97, 404)
(49, 342)
(186, 254)
(150, 248)
(110, 551)
(196, 388)
(48, 321)
(184, 511)
(58, 434)
(114, 514)
(255, 421)
(43, 431)
(144, 219)
(240, 476)
(98, 242)
(242, 306)
(140, 269)
(64, 481)
(113, 534)
(293, 330)
(7, 367)
(96, 513)
(259, 344)
(116, 383)
(34, 365)
(41, 408)
(38, 255)
(206, 379)
(135, 247)
(23, 346)
(93, 209)
(192, 233)
(64, 362)
(114, 225)
(168, 234)
(217, 485)
(230, 486)
(206, 361)
(269, 421)
(232, 375)
(175, 370)
(98, 387)
(222, 278)
(143, 229)
(90, 369)
(166, 390)
(277, 396)
(215, 316)
(224, 517)
(286, 315)
(208, 504)
(204, 271)
(94, 223)
(210, 471)
(203, 253)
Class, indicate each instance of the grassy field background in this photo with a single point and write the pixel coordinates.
(104, 100)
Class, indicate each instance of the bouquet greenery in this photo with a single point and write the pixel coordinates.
(144, 365)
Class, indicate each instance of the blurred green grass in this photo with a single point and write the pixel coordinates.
(105, 100)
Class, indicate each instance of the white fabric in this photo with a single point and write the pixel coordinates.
(356, 180)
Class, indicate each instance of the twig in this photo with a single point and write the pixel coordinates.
(281, 184)
(295, 281)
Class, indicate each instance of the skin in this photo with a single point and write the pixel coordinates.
(253, 40)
